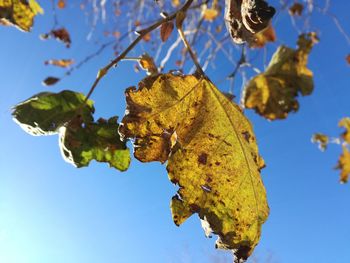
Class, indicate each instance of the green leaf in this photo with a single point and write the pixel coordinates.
(45, 113)
(211, 154)
(99, 141)
(81, 139)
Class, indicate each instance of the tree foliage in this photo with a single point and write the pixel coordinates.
(179, 118)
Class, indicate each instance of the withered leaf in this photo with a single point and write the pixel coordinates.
(344, 165)
(60, 34)
(211, 154)
(245, 18)
(147, 63)
(63, 63)
(49, 81)
(273, 93)
(345, 123)
(321, 139)
(296, 9)
(19, 13)
(165, 30)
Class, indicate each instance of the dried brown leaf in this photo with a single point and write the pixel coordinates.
(165, 30)
(321, 139)
(245, 18)
(60, 34)
(63, 63)
(146, 62)
(49, 81)
(296, 9)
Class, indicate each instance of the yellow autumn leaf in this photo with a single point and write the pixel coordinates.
(345, 123)
(19, 13)
(210, 14)
(36, 8)
(211, 154)
(344, 165)
(273, 93)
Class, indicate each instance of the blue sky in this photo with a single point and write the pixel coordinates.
(52, 212)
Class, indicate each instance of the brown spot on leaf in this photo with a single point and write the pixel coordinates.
(202, 158)
(194, 208)
(246, 135)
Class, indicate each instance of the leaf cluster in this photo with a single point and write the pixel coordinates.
(183, 120)
(69, 115)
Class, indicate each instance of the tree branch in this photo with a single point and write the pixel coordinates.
(103, 71)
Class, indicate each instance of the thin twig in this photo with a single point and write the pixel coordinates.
(55, 20)
(88, 58)
(189, 49)
(335, 21)
(240, 62)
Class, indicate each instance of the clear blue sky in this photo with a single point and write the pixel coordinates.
(52, 212)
